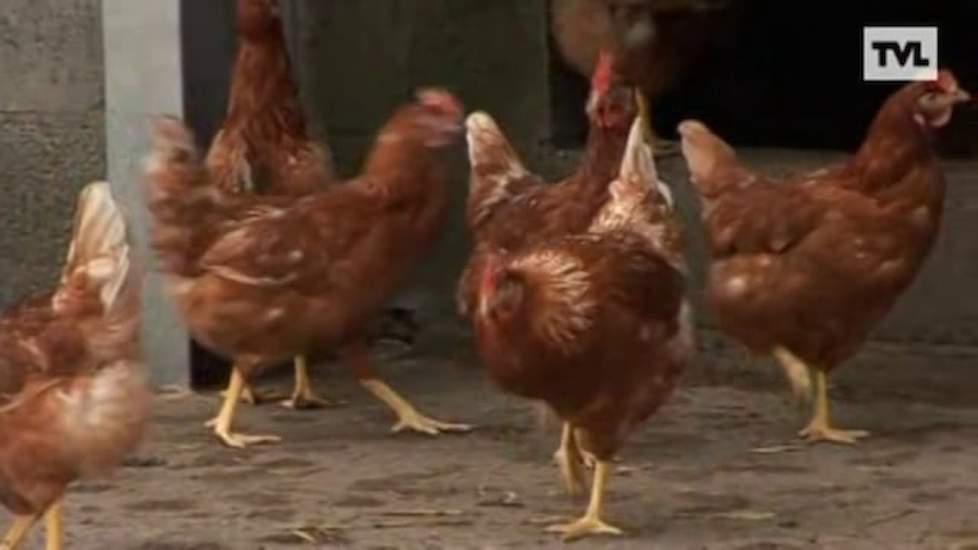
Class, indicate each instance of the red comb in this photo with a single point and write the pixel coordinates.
(946, 81)
(601, 79)
(440, 100)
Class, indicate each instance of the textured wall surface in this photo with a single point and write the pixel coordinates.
(51, 132)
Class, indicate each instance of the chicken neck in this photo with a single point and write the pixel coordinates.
(601, 161)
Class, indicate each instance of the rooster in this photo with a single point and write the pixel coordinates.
(593, 324)
(263, 146)
(804, 269)
(73, 398)
(509, 207)
(259, 278)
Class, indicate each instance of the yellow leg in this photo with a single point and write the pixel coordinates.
(569, 459)
(660, 147)
(798, 374)
(15, 535)
(591, 523)
(222, 424)
(55, 529)
(408, 418)
(248, 395)
(819, 429)
(302, 396)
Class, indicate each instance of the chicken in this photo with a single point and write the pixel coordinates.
(508, 207)
(263, 146)
(655, 41)
(261, 278)
(804, 269)
(593, 324)
(73, 398)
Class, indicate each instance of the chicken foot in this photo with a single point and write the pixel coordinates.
(222, 423)
(302, 396)
(569, 459)
(661, 147)
(820, 428)
(408, 417)
(591, 523)
(18, 530)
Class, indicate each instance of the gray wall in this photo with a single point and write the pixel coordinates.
(52, 132)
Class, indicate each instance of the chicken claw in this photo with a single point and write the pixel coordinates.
(591, 523)
(820, 429)
(222, 423)
(569, 459)
(240, 441)
(408, 418)
(583, 527)
(307, 400)
(415, 421)
(815, 433)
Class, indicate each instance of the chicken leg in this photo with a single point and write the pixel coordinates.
(302, 396)
(820, 429)
(222, 423)
(568, 457)
(18, 530)
(249, 395)
(798, 373)
(660, 147)
(408, 417)
(54, 526)
(591, 523)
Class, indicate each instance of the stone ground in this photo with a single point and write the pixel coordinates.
(718, 467)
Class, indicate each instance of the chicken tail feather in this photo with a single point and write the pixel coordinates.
(184, 206)
(99, 248)
(713, 165)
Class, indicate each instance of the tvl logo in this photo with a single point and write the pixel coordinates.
(899, 53)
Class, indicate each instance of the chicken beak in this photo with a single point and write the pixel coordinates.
(961, 96)
(487, 303)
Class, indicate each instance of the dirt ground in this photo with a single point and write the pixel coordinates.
(718, 467)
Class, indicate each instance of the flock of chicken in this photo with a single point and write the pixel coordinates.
(575, 289)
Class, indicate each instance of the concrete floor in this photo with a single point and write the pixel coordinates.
(719, 467)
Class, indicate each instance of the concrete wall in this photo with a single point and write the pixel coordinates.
(52, 133)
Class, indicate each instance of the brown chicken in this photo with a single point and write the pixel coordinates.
(804, 269)
(509, 207)
(655, 41)
(593, 324)
(73, 399)
(263, 146)
(261, 278)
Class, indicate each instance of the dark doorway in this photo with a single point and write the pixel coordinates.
(792, 75)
